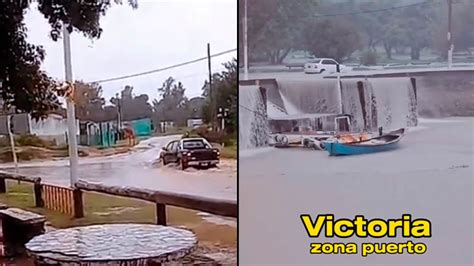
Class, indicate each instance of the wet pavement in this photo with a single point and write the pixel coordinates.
(139, 169)
(429, 176)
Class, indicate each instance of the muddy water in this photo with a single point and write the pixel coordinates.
(430, 176)
(138, 169)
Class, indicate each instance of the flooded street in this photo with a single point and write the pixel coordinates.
(138, 169)
(430, 176)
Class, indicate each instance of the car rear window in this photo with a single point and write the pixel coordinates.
(194, 144)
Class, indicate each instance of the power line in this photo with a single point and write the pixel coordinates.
(162, 69)
(262, 28)
(197, 74)
(373, 11)
(362, 11)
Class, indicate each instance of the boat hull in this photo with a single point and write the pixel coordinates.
(377, 144)
(336, 149)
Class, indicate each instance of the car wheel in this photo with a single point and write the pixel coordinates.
(184, 165)
(163, 160)
(322, 70)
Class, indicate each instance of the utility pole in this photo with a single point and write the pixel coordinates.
(450, 39)
(12, 140)
(119, 112)
(246, 62)
(339, 87)
(210, 83)
(10, 132)
(71, 116)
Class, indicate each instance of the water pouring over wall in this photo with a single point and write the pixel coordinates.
(253, 119)
(310, 96)
(371, 102)
(395, 102)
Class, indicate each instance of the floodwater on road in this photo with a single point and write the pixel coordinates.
(430, 176)
(139, 169)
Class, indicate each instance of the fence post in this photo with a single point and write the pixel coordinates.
(160, 214)
(3, 185)
(38, 193)
(77, 201)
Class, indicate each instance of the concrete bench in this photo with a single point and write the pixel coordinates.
(18, 227)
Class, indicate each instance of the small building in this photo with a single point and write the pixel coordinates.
(141, 127)
(52, 128)
(194, 122)
(166, 125)
(104, 134)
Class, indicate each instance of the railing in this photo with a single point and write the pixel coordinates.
(70, 200)
(36, 181)
(161, 199)
(58, 198)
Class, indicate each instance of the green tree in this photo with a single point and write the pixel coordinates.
(224, 94)
(132, 107)
(462, 33)
(173, 105)
(88, 100)
(24, 85)
(274, 26)
(331, 38)
(417, 24)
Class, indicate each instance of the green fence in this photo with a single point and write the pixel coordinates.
(142, 127)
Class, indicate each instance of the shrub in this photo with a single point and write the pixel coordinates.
(32, 140)
(368, 58)
(213, 136)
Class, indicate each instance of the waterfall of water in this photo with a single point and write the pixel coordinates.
(396, 106)
(372, 102)
(351, 103)
(309, 96)
(253, 122)
(386, 102)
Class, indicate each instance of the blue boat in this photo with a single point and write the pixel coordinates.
(381, 143)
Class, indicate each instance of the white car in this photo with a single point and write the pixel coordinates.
(321, 65)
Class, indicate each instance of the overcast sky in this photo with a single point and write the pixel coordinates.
(159, 33)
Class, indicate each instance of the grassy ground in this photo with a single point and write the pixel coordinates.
(28, 153)
(229, 152)
(101, 208)
(173, 131)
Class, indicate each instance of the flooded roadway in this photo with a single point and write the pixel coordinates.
(138, 169)
(429, 176)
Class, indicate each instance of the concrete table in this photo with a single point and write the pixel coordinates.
(112, 244)
(18, 227)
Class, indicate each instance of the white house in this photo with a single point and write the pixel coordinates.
(52, 128)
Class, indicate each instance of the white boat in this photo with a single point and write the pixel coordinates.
(304, 139)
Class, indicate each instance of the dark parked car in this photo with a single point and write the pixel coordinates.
(190, 152)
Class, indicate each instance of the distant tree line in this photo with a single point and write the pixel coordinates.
(339, 28)
(171, 103)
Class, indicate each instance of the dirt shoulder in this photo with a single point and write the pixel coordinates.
(32, 153)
